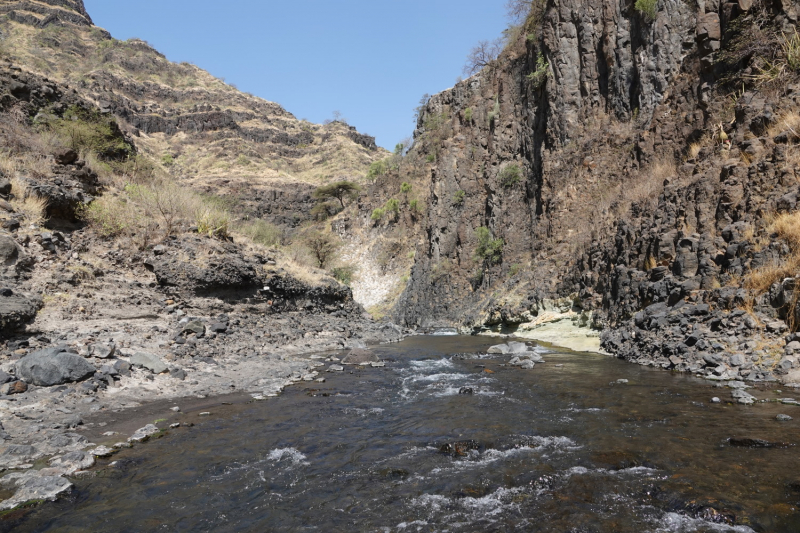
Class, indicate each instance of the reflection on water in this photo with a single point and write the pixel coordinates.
(564, 447)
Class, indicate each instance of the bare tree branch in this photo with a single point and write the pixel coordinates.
(481, 55)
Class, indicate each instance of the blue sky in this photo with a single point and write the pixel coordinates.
(370, 60)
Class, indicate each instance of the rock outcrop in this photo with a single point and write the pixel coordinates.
(591, 155)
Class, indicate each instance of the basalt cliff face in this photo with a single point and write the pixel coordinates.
(590, 151)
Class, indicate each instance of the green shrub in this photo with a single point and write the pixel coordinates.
(344, 274)
(468, 114)
(405, 187)
(414, 205)
(91, 132)
(489, 250)
(430, 158)
(458, 198)
(378, 168)
(339, 190)
(647, 8)
(392, 206)
(510, 176)
(377, 214)
(167, 160)
(540, 75)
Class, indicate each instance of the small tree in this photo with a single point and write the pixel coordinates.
(481, 55)
(339, 190)
(322, 247)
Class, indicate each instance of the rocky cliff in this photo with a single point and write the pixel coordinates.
(590, 152)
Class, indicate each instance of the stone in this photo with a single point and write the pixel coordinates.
(218, 327)
(517, 347)
(73, 461)
(742, 397)
(5, 186)
(783, 418)
(527, 364)
(360, 356)
(65, 156)
(194, 326)
(749, 442)
(465, 390)
(14, 387)
(175, 409)
(36, 488)
(104, 351)
(178, 373)
(53, 366)
(142, 434)
(716, 399)
(102, 451)
(5, 378)
(149, 361)
(498, 349)
(335, 368)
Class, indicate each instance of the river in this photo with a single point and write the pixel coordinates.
(567, 446)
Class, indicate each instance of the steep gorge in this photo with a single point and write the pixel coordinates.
(608, 183)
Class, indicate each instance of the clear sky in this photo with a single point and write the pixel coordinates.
(371, 60)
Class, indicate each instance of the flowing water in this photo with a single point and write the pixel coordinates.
(563, 447)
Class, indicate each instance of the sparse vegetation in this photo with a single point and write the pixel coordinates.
(27, 203)
(495, 112)
(468, 114)
(322, 246)
(344, 274)
(263, 233)
(458, 198)
(510, 176)
(482, 55)
(539, 76)
(405, 188)
(488, 250)
(647, 8)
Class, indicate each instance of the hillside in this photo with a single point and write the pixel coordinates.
(193, 125)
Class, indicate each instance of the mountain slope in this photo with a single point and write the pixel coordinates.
(199, 128)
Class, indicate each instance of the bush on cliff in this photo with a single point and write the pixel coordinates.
(488, 250)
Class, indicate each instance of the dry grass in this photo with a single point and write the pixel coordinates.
(28, 204)
(760, 280)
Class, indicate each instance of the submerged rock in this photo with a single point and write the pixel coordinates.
(33, 487)
(749, 442)
(359, 356)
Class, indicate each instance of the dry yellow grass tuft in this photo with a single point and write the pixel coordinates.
(28, 204)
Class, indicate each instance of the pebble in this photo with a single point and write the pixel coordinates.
(621, 381)
(320, 380)
(715, 399)
(175, 409)
(175, 425)
(205, 413)
(336, 368)
(783, 418)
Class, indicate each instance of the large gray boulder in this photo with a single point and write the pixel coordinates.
(53, 366)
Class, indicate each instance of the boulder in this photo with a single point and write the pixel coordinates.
(104, 351)
(149, 361)
(359, 356)
(142, 434)
(53, 366)
(36, 488)
(517, 347)
(498, 349)
(16, 310)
